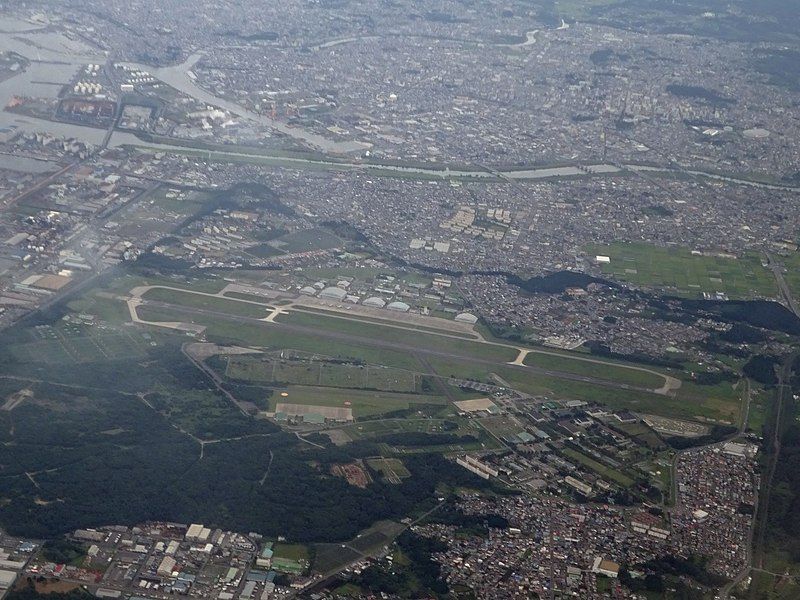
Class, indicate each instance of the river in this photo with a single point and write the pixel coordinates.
(180, 78)
(55, 58)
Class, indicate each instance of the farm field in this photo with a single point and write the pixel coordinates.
(679, 271)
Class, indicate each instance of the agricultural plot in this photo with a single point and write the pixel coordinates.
(679, 271)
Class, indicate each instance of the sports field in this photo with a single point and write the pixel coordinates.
(681, 272)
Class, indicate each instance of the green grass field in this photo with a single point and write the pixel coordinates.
(401, 336)
(608, 372)
(683, 273)
(78, 344)
(693, 402)
(363, 403)
(766, 586)
(376, 428)
(432, 328)
(578, 9)
(501, 426)
(307, 240)
(716, 403)
(231, 307)
(296, 552)
(607, 472)
(263, 335)
(391, 468)
(180, 202)
(792, 274)
(322, 374)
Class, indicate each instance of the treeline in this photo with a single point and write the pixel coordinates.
(452, 515)
(783, 526)
(717, 434)
(599, 349)
(671, 572)
(762, 368)
(697, 92)
(62, 551)
(28, 592)
(419, 439)
(757, 313)
(419, 578)
(149, 471)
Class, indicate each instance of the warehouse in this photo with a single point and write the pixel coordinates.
(398, 306)
(333, 293)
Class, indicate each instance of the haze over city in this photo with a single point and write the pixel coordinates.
(454, 299)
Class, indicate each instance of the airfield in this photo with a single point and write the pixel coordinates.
(332, 347)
